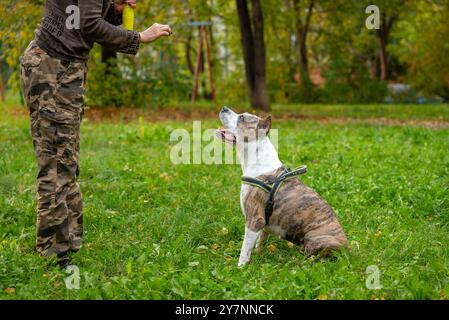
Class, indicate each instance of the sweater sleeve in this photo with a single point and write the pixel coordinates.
(113, 17)
(96, 28)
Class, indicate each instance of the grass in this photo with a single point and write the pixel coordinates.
(154, 230)
(390, 111)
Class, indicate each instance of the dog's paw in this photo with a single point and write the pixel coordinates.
(242, 263)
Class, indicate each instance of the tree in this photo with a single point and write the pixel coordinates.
(390, 12)
(302, 29)
(423, 47)
(16, 32)
(254, 52)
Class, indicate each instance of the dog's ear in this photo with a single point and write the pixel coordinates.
(265, 124)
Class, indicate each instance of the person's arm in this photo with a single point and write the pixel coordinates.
(103, 32)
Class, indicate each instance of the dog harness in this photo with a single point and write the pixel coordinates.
(272, 188)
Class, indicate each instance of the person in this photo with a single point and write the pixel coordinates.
(53, 72)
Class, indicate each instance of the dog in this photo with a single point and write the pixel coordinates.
(293, 211)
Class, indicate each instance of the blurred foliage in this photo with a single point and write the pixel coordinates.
(423, 45)
(152, 80)
(342, 52)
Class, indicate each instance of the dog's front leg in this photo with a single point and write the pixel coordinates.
(261, 240)
(248, 244)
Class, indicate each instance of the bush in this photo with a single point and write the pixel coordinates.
(149, 80)
(349, 82)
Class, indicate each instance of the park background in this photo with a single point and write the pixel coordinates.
(366, 110)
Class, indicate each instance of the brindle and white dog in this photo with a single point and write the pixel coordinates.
(299, 215)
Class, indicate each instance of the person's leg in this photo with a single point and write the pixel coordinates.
(74, 201)
(47, 85)
(70, 97)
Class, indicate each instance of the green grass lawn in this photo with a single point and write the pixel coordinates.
(154, 230)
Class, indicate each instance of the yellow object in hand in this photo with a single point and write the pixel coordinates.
(128, 17)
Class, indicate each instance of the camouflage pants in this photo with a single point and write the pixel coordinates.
(54, 92)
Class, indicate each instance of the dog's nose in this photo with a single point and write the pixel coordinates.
(225, 109)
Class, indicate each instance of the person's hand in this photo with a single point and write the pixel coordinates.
(120, 4)
(155, 32)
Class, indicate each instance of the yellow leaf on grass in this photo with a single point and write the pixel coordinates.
(322, 297)
(10, 290)
(272, 248)
(215, 246)
(224, 231)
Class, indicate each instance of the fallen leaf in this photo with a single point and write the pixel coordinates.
(224, 231)
(322, 297)
(202, 248)
(164, 176)
(215, 246)
(272, 248)
(10, 290)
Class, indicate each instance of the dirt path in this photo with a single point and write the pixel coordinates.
(127, 115)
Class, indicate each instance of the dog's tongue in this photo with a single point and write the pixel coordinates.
(225, 135)
(228, 136)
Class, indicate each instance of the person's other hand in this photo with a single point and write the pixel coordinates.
(120, 4)
(155, 32)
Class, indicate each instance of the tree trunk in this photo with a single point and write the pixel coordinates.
(260, 94)
(302, 31)
(383, 59)
(383, 35)
(247, 42)
(254, 53)
(188, 48)
(2, 88)
(108, 57)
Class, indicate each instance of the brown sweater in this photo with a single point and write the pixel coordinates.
(98, 23)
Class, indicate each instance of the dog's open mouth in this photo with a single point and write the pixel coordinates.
(226, 135)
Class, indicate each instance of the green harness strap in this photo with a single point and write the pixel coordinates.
(272, 188)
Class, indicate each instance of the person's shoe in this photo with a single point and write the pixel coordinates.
(64, 261)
